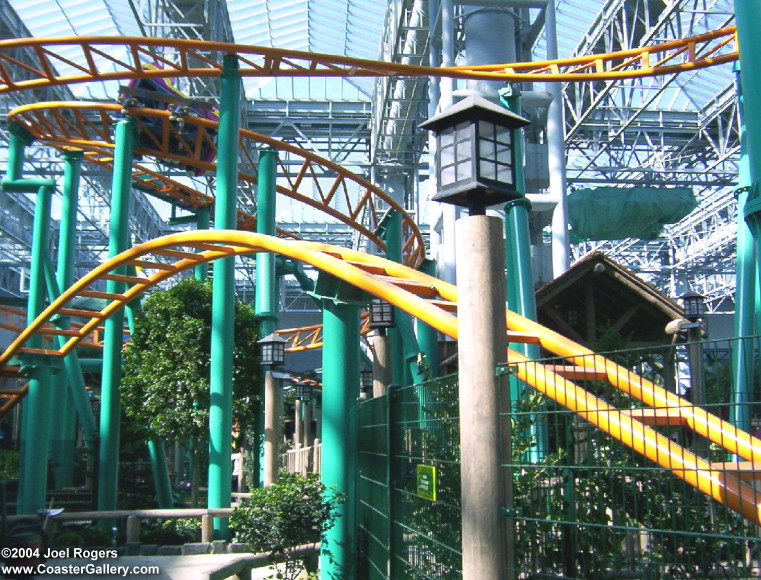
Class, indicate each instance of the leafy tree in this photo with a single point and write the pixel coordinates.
(165, 388)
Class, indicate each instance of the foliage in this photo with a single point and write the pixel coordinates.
(165, 387)
(89, 536)
(276, 519)
(9, 464)
(170, 532)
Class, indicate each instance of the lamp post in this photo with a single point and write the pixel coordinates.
(381, 319)
(365, 382)
(475, 162)
(694, 311)
(272, 353)
(302, 393)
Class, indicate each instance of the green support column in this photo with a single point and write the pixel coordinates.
(74, 367)
(520, 276)
(266, 305)
(404, 345)
(35, 418)
(747, 15)
(160, 473)
(18, 139)
(223, 298)
(427, 335)
(745, 290)
(340, 387)
(203, 220)
(113, 336)
(63, 423)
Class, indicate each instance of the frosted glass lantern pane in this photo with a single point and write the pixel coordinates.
(464, 171)
(487, 169)
(447, 175)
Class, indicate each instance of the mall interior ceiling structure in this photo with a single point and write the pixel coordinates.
(677, 133)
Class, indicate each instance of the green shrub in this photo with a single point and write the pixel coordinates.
(170, 532)
(277, 519)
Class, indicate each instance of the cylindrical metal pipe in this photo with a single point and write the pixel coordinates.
(340, 385)
(36, 410)
(113, 338)
(223, 298)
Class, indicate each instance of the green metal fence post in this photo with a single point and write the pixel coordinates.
(36, 410)
(340, 379)
(266, 280)
(113, 338)
(223, 299)
(63, 422)
(392, 441)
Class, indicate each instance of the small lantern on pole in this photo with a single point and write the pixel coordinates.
(381, 314)
(365, 380)
(272, 350)
(694, 305)
(303, 391)
(475, 154)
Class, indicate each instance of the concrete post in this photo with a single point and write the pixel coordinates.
(298, 424)
(271, 427)
(482, 345)
(382, 373)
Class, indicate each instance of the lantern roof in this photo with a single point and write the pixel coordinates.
(474, 107)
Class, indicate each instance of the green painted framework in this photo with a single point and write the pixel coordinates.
(590, 508)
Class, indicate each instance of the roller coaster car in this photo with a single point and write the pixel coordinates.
(157, 93)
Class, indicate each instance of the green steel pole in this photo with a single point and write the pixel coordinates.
(404, 346)
(18, 139)
(203, 220)
(74, 368)
(427, 335)
(223, 299)
(745, 290)
(160, 473)
(747, 15)
(340, 387)
(36, 409)
(113, 336)
(265, 307)
(63, 423)
(520, 276)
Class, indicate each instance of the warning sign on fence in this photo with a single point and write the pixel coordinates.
(426, 482)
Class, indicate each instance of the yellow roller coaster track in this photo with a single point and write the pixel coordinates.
(119, 58)
(435, 302)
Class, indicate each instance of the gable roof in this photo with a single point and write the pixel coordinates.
(597, 293)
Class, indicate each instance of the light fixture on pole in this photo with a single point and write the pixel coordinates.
(694, 305)
(475, 154)
(475, 168)
(302, 391)
(381, 314)
(365, 380)
(272, 350)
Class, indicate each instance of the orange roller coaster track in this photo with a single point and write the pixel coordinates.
(317, 183)
(435, 302)
(120, 58)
